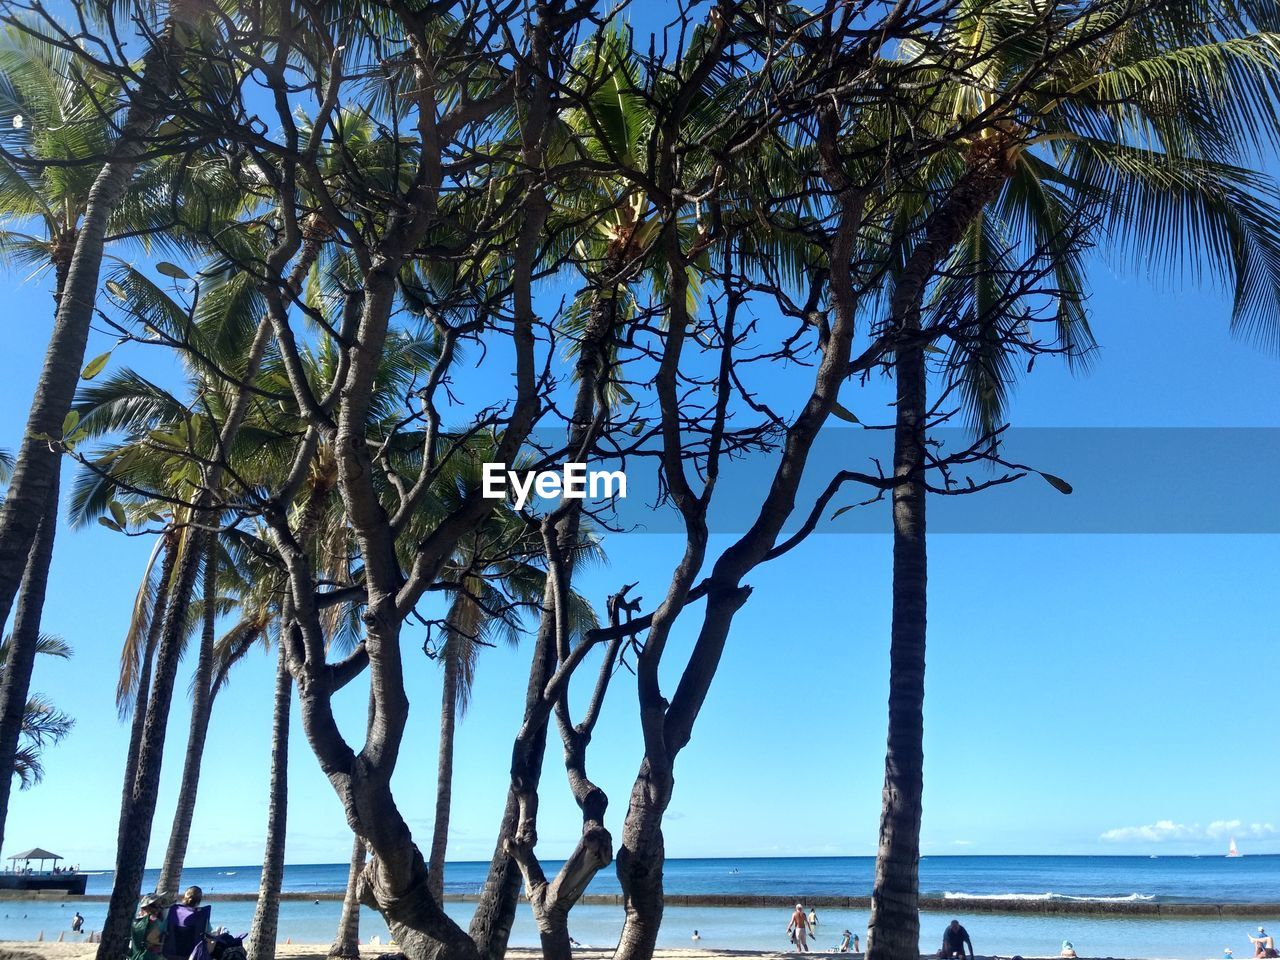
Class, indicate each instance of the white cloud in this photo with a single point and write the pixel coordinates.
(1163, 830)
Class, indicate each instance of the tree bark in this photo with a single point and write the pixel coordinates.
(496, 912)
(22, 648)
(893, 932)
(894, 929)
(39, 461)
(640, 861)
(346, 945)
(262, 935)
(142, 694)
(139, 810)
(444, 770)
(201, 703)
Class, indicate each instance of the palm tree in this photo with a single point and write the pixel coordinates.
(346, 945)
(76, 118)
(43, 724)
(1130, 127)
(49, 117)
(20, 712)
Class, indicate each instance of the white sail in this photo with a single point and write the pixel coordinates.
(1232, 851)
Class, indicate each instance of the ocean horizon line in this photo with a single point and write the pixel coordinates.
(1213, 855)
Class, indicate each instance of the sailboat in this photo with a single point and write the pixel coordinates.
(1232, 851)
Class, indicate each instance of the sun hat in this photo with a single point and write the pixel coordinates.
(149, 901)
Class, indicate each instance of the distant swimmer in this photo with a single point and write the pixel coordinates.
(798, 929)
(77, 923)
(696, 936)
(813, 918)
(954, 940)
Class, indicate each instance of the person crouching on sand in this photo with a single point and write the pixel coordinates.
(954, 939)
(1264, 945)
(798, 929)
(1068, 951)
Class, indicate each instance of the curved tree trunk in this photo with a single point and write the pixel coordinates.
(444, 771)
(201, 702)
(262, 935)
(22, 649)
(346, 946)
(496, 912)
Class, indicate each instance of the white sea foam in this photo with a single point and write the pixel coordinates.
(1041, 897)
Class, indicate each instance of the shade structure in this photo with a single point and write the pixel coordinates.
(36, 853)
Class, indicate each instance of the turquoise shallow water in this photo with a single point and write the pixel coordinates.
(1250, 879)
(737, 928)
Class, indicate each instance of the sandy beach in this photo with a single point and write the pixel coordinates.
(26, 950)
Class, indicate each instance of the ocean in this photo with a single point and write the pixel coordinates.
(1250, 879)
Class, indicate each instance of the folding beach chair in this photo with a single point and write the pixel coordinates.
(184, 928)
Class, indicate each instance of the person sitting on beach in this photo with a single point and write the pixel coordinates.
(146, 936)
(1264, 945)
(954, 939)
(186, 926)
(1068, 950)
(798, 929)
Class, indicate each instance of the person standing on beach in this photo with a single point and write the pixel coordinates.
(954, 939)
(798, 929)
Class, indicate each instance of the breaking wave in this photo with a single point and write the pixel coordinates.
(1044, 897)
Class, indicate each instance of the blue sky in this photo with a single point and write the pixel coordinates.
(1087, 693)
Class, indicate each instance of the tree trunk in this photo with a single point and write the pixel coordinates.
(894, 930)
(201, 702)
(22, 649)
(143, 692)
(496, 912)
(640, 861)
(39, 460)
(262, 936)
(139, 809)
(346, 946)
(444, 772)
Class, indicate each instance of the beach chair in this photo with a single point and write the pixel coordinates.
(184, 929)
